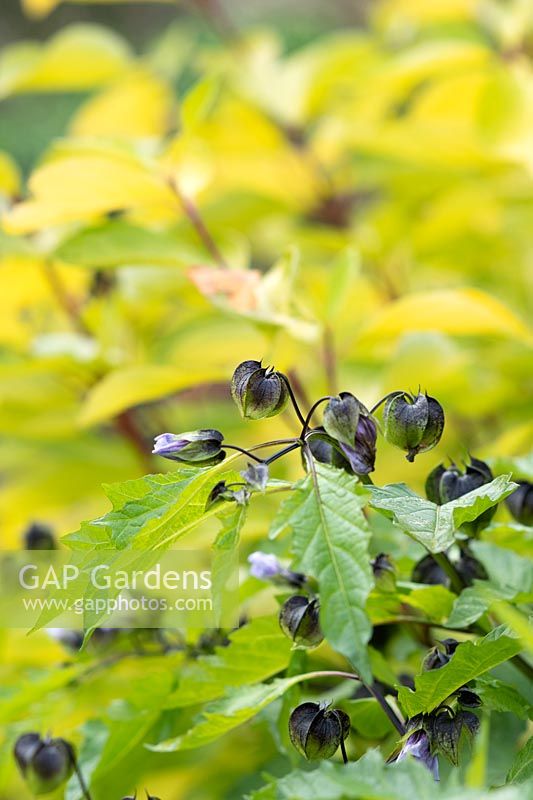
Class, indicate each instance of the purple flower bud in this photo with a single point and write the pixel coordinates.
(417, 745)
(264, 566)
(362, 454)
(203, 446)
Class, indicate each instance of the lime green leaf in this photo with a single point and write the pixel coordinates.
(129, 386)
(239, 706)
(469, 660)
(330, 543)
(257, 651)
(118, 242)
(153, 511)
(432, 525)
(522, 767)
(77, 58)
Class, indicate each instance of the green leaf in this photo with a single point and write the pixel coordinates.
(152, 512)
(474, 601)
(257, 651)
(468, 662)
(330, 543)
(522, 767)
(368, 718)
(224, 570)
(239, 706)
(500, 696)
(367, 778)
(429, 524)
(510, 578)
(117, 242)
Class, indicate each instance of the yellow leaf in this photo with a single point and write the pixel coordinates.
(9, 175)
(235, 147)
(130, 386)
(138, 105)
(419, 12)
(27, 304)
(77, 58)
(82, 183)
(461, 312)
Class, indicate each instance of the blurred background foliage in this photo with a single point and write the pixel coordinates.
(341, 189)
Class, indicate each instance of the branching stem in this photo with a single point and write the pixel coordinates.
(81, 780)
(376, 694)
(194, 216)
(293, 398)
(384, 399)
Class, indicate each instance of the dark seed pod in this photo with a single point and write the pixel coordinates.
(384, 573)
(25, 748)
(468, 699)
(258, 392)
(434, 659)
(470, 569)
(191, 447)
(428, 571)
(469, 722)
(221, 491)
(445, 733)
(324, 450)
(439, 655)
(299, 620)
(520, 503)
(414, 424)
(39, 537)
(341, 417)
(316, 731)
(445, 484)
(44, 763)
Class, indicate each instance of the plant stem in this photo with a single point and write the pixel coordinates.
(446, 565)
(126, 424)
(330, 359)
(310, 414)
(245, 452)
(293, 398)
(281, 453)
(391, 714)
(343, 751)
(376, 694)
(81, 780)
(384, 399)
(198, 224)
(63, 297)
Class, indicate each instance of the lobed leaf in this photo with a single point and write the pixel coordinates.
(429, 524)
(468, 662)
(330, 543)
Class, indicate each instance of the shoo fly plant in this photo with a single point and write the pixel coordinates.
(322, 670)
